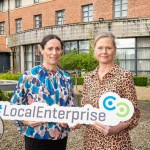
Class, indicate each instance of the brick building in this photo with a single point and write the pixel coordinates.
(23, 23)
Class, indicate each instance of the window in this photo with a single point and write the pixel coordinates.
(79, 46)
(37, 57)
(70, 46)
(60, 17)
(134, 54)
(37, 21)
(37, 1)
(83, 46)
(18, 25)
(16, 58)
(17, 3)
(143, 56)
(87, 13)
(33, 56)
(2, 28)
(28, 57)
(126, 53)
(2, 5)
(120, 8)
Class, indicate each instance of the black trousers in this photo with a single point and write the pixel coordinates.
(37, 144)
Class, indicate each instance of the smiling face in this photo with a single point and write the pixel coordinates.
(51, 53)
(105, 50)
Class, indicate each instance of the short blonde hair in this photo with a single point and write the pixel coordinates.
(105, 35)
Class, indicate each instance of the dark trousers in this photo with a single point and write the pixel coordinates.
(37, 144)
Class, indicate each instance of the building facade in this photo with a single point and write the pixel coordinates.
(23, 24)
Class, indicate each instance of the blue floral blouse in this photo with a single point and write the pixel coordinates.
(42, 85)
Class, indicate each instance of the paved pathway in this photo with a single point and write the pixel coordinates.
(144, 107)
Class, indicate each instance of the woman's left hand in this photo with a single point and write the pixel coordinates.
(110, 130)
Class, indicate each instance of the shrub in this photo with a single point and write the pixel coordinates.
(9, 95)
(80, 80)
(5, 96)
(2, 96)
(75, 61)
(73, 80)
(148, 80)
(10, 76)
(140, 80)
(79, 61)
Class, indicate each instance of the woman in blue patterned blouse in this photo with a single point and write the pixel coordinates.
(49, 84)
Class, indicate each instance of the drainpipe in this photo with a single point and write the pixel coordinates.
(11, 53)
(8, 17)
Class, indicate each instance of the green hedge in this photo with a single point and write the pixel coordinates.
(140, 80)
(148, 80)
(80, 80)
(10, 76)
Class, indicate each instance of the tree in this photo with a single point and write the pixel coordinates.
(79, 61)
(75, 61)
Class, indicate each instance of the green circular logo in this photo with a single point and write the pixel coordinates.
(123, 109)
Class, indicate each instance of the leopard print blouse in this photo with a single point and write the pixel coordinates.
(121, 82)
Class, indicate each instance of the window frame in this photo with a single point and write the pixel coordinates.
(39, 24)
(37, 1)
(143, 61)
(121, 10)
(76, 45)
(127, 49)
(32, 56)
(2, 6)
(2, 28)
(18, 3)
(18, 25)
(88, 11)
(62, 17)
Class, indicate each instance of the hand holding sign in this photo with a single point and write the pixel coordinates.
(121, 108)
(113, 110)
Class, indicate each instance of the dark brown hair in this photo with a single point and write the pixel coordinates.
(50, 37)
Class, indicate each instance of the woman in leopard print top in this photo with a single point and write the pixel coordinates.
(108, 77)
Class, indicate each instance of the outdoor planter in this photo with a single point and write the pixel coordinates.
(7, 85)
